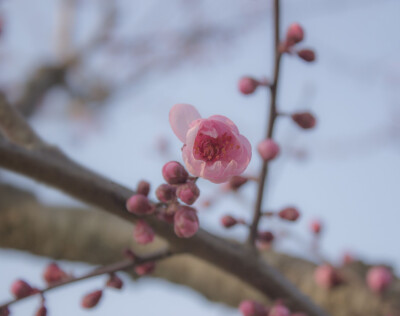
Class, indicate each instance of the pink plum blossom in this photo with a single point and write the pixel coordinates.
(378, 279)
(213, 148)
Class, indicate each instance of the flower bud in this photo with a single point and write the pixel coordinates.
(139, 205)
(54, 274)
(165, 193)
(248, 85)
(21, 289)
(92, 299)
(4, 311)
(186, 222)
(252, 308)
(379, 279)
(174, 173)
(228, 221)
(265, 237)
(268, 149)
(305, 120)
(145, 268)
(236, 182)
(114, 282)
(279, 310)
(294, 34)
(143, 233)
(289, 213)
(143, 188)
(316, 227)
(188, 193)
(42, 311)
(327, 277)
(307, 55)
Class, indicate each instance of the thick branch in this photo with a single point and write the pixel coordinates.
(111, 197)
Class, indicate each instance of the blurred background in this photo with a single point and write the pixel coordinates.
(97, 78)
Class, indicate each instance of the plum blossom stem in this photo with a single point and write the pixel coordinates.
(114, 267)
(273, 113)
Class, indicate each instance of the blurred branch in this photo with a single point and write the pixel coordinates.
(21, 212)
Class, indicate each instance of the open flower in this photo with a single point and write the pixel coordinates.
(213, 148)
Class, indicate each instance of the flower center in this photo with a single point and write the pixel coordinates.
(211, 149)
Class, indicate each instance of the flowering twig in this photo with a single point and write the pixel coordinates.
(109, 269)
(271, 123)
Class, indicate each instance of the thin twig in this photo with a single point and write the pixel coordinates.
(270, 127)
(114, 267)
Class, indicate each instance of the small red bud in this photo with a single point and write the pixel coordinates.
(265, 237)
(289, 214)
(166, 193)
(92, 299)
(145, 268)
(186, 222)
(379, 279)
(327, 277)
(139, 205)
(174, 173)
(143, 188)
(188, 193)
(316, 227)
(228, 221)
(21, 289)
(252, 308)
(114, 282)
(143, 233)
(268, 149)
(294, 35)
(236, 182)
(4, 311)
(42, 311)
(305, 120)
(54, 274)
(248, 85)
(307, 55)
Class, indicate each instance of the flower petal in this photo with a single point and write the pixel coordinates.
(180, 117)
(225, 120)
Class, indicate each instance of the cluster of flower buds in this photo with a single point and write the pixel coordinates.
(248, 85)
(295, 35)
(379, 278)
(327, 276)
(253, 308)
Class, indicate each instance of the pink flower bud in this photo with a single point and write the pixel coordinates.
(186, 222)
(305, 120)
(252, 308)
(188, 193)
(4, 311)
(268, 149)
(228, 221)
(248, 85)
(307, 55)
(21, 289)
(166, 193)
(143, 233)
(143, 188)
(279, 310)
(92, 299)
(42, 311)
(145, 268)
(54, 274)
(294, 35)
(174, 173)
(289, 214)
(139, 205)
(327, 277)
(316, 227)
(114, 282)
(379, 279)
(265, 237)
(237, 182)
(166, 217)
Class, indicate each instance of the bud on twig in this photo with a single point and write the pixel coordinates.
(92, 299)
(21, 289)
(305, 120)
(307, 55)
(143, 233)
(289, 214)
(228, 221)
(54, 274)
(188, 193)
(186, 222)
(143, 188)
(294, 34)
(268, 149)
(166, 193)
(174, 173)
(139, 205)
(114, 282)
